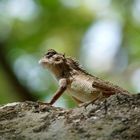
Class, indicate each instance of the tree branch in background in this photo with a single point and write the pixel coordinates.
(24, 93)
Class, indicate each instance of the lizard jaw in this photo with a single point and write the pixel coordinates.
(43, 62)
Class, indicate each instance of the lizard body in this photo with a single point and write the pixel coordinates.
(81, 86)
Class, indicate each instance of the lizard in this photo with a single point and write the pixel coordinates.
(83, 87)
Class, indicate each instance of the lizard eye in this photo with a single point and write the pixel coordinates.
(50, 53)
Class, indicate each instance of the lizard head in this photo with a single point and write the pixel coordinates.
(52, 59)
(60, 65)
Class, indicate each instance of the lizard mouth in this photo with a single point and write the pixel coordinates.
(42, 62)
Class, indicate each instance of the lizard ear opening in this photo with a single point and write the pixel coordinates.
(59, 59)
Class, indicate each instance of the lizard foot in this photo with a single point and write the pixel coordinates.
(92, 102)
(84, 104)
(42, 106)
(88, 103)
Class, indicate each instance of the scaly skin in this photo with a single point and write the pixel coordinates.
(81, 86)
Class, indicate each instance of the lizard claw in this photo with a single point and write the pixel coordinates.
(84, 104)
(88, 103)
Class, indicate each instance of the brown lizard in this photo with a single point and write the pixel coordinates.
(81, 86)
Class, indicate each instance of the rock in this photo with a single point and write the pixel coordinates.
(116, 118)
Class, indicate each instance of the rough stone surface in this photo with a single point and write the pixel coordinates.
(32, 120)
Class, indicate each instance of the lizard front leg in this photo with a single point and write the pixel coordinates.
(60, 90)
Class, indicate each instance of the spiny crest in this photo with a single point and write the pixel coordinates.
(75, 64)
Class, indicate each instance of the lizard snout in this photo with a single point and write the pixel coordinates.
(42, 61)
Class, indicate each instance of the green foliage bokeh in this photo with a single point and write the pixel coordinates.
(58, 25)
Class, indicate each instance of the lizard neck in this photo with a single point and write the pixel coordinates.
(61, 72)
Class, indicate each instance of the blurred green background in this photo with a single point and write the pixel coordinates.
(104, 35)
